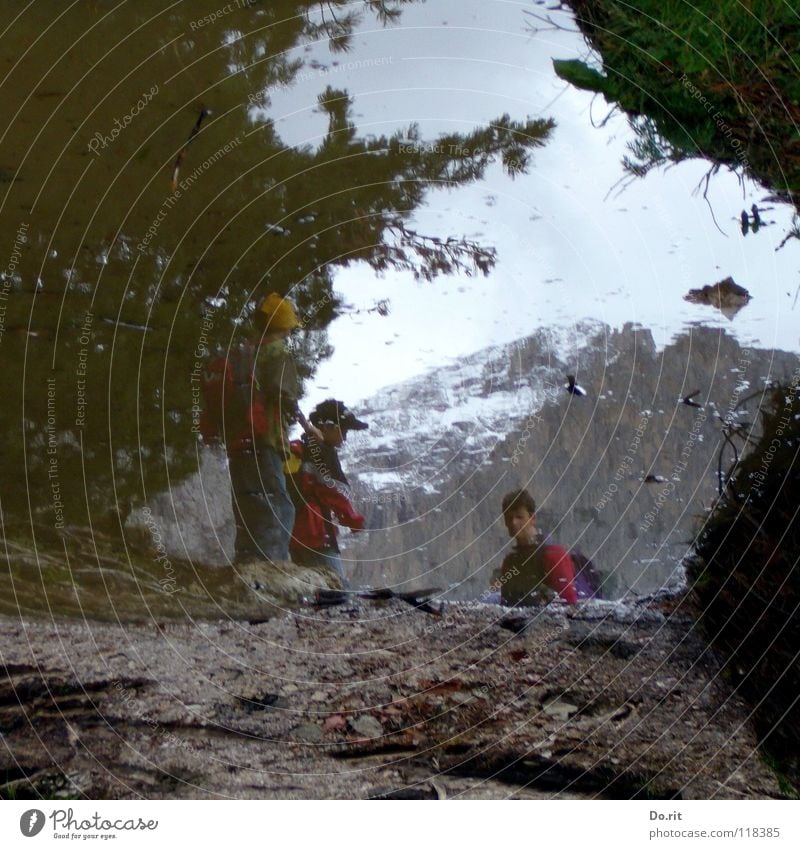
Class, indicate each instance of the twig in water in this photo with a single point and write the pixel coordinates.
(182, 153)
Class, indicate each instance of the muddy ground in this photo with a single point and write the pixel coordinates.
(376, 698)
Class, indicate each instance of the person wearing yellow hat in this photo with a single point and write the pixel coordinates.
(262, 508)
(277, 315)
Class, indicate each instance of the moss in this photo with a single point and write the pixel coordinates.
(719, 84)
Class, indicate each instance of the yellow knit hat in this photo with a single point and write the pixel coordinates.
(279, 312)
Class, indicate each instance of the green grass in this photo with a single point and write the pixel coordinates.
(720, 81)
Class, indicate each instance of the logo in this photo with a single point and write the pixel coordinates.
(31, 822)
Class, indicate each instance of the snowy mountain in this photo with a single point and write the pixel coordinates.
(428, 429)
(623, 474)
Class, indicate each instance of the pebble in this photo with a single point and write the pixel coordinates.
(559, 709)
(367, 726)
(309, 732)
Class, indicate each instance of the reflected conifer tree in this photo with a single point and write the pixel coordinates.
(160, 202)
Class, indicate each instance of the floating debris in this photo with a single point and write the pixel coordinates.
(419, 599)
(328, 598)
(572, 387)
(127, 325)
(687, 400)
(727, 296)
(185, 148)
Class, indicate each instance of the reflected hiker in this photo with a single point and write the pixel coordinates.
(320, 489)
(250, 401)
(535, 571)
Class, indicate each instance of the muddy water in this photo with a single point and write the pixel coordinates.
(78, 574)
(154, 181)
(147, 202)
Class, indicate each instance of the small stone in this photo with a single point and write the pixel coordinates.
(319, 696)
(541, 744)
(335, 722)
(367, 726)
(559, 709)
(290, 688)
(309, 732)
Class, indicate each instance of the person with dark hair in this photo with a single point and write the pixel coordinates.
(534, 571)
(264, 374)
(320, 490)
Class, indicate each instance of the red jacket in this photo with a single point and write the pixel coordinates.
(527, 568)
(320, 493)
(559, 572)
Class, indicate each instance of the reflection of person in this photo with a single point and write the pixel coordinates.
(262, 508)
(320, 489)
(534, 571)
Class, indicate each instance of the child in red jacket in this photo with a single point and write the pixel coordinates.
(320, 490)
(534, 571)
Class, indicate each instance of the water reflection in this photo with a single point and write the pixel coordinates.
(134, 246)
(625, 474)
(150, 200)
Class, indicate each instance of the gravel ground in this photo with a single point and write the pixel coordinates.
(376, 698)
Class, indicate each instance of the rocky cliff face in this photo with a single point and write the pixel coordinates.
(625, 474)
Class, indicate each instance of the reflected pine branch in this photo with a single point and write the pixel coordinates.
(437, 256)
